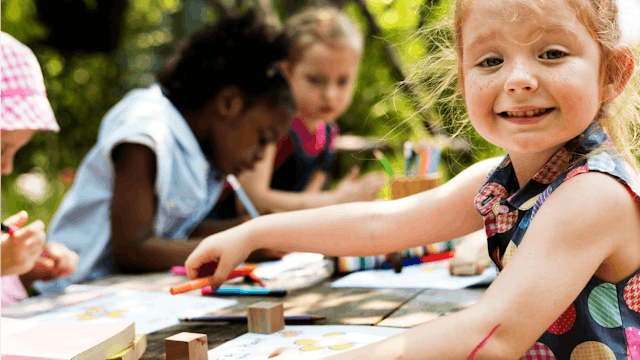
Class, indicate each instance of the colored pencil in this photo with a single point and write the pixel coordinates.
(384, 161)
(9, 228)
(244, 291)
(424, 157)
(243, 318)
(408, 154)
(235, 184)
(435, 160)
(417, 161)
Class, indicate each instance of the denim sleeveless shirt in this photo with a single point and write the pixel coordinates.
(604, 320)
(187, 185)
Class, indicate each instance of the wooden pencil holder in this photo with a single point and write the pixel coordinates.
(405, 186)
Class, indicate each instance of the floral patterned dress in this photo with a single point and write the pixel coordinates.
(604, 320)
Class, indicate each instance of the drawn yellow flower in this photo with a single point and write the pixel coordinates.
(324, 342)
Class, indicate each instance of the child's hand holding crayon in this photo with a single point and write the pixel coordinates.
(21, 249)
(226, 250)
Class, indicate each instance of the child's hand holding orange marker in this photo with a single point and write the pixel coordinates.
(201, 282)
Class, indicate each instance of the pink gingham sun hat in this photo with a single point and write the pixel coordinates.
(23, 97)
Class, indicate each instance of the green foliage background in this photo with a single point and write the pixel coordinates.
(83, 86)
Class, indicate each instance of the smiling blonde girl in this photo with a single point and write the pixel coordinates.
(539, 79)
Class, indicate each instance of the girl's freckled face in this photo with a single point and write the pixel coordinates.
(531, 82)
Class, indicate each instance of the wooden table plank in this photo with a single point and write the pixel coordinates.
(338, 305)
(430, 304)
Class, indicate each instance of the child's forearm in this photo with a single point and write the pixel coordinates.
(338, 230)
(373, 228)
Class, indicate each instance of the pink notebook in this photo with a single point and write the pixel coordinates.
(30, 340)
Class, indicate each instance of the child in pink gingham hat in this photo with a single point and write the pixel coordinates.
(24, 98)
(25, 110)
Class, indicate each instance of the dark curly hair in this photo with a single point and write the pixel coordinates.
(243, 51)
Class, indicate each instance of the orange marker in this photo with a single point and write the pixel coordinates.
(189, 285)
(246, 270)
(255, 278)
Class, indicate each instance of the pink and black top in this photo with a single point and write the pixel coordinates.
(300, 153)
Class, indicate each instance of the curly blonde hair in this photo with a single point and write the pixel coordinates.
(438, 77)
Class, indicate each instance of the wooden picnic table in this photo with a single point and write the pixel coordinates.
(339, 306)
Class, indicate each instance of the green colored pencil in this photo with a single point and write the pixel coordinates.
(384, 161)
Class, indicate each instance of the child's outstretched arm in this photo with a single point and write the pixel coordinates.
(572, 237)
(257, 184)
(352, 229)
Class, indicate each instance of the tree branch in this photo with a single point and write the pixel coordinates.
(377, 31)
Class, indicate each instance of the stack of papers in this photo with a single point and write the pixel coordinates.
(28, 339)
(150, 310)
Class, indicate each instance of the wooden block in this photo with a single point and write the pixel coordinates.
(404, 186)
(186, 346)
(265, 317)
(465, 268)
(472, 256)
(133, 352)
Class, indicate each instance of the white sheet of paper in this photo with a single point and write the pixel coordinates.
(433, 275)
(150, 310)
(315, 341)
(297, 261)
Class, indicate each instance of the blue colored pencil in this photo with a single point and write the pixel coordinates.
(244, 291)
(235, 184)
(435, 159)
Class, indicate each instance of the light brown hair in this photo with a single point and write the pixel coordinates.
(326, 25)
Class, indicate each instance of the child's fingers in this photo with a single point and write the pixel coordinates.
(55, 250)
(222, 272)
(32, 235)
(44, 264)
(66, 261)
(199, 259)
(18, 219)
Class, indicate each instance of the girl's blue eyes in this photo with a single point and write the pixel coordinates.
(552, 55)
(547, 55)
(490, 62)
